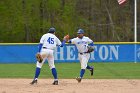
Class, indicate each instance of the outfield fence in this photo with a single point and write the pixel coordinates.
(104, 52)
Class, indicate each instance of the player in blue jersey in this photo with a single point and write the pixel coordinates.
(82, 42)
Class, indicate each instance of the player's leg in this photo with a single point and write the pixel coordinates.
(38, 69)
(37, 72)
(90, 68)
(52, 67)
(83, 67)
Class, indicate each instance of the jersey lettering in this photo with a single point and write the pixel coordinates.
(81, 42)
(50, 40)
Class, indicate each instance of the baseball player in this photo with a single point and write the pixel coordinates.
(48, 43)
(82, 43)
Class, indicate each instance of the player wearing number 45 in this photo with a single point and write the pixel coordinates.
(85, 46)
(48, 43)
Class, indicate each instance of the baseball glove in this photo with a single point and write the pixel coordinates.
(66, 38)
(39, 58)
(90, 49)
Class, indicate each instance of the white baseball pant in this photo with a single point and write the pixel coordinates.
(47, 54)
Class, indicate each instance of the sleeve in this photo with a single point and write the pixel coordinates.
(42, 39)
(39, 47)
(41, 43)
(90, 41)
(63, 43)
(58, 42)
(72, 41)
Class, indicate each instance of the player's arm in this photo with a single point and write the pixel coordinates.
(41, 43)
(38, 55)
(68, 40)
(72, 41)
(65, 39)
(59, 43)
(91, 44)
(63, 43)
(40, 47)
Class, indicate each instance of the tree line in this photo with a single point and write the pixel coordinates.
(25, 21)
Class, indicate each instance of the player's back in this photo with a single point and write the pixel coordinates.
(50, 41)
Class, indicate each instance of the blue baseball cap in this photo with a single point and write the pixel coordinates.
(52, 30)
(80, 31)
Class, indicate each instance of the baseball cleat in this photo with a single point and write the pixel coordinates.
(33, 82)
(55, 83)
(78, 79)
(91, 71)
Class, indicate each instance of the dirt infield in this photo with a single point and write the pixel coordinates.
(70, 86)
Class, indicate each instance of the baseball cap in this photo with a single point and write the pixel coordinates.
(80, 31)
(52, 30)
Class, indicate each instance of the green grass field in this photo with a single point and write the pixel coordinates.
(71, 70)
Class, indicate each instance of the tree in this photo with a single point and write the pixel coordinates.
(28, 20)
